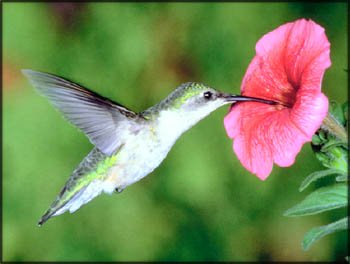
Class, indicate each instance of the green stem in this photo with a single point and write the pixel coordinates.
(331, 125)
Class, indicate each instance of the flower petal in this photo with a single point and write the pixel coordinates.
(250, 146)
(297, 127)
(266, 78)
(285, 138)
(306, 54)
(288, 67)
(309, 111)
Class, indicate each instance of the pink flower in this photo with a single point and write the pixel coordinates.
(288, 67)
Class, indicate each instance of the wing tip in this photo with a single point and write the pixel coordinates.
(32, 76)
(31, 73)
(27, 72)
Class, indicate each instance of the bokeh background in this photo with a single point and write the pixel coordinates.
(200, 204)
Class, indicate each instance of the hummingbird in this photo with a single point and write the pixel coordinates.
(127, 145)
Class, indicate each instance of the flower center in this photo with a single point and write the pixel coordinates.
(287, 96)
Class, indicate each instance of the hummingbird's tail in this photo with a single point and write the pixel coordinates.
(65, 201)
(80, 198)
(58, 207)
(86, 182)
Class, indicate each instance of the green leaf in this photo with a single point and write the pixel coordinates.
(317, 175)
(342, 178)
(331, 144)
(336, 158)
(316, 140)
(322, 135)
(323, 199)
(318, 232)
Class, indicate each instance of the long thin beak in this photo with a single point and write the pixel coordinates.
(240, 98)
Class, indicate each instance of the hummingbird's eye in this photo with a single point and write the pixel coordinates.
(207, 95)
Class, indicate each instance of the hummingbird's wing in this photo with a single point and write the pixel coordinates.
(105, 122)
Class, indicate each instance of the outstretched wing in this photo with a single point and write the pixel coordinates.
(105, 122)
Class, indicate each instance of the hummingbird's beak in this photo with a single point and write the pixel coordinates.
(230, 98)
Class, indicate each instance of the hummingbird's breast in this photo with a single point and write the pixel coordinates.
(139, 156)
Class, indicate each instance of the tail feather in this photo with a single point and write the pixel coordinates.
(86, 182)
(58, 207)
(82, 197)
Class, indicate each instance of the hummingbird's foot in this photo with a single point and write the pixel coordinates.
(119, 189)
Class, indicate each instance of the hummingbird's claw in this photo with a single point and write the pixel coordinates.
(119, 189)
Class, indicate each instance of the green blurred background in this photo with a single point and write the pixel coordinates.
(200, 204)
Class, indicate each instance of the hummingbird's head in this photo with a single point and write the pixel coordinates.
(188, 104)
(198, 97)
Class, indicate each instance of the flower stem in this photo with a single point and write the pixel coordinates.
(331, 125)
